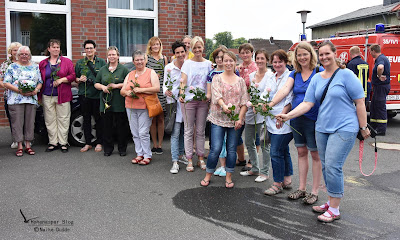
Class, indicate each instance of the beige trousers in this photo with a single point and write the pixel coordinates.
(57, 118)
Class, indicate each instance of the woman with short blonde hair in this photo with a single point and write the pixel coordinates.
(11, 58)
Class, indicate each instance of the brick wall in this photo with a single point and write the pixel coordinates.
(173, 19)
(3, 56)
(89, 19)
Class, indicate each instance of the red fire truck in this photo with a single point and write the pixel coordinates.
(389, 40)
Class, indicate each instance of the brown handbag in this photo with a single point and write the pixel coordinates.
(153, 105)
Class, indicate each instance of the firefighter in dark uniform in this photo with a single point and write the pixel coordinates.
(361, 69)
(381, 88)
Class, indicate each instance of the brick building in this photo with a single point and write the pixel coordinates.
(127, 24)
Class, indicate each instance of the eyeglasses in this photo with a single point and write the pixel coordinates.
(24, 54)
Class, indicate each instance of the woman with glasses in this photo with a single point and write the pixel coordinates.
(23, 81)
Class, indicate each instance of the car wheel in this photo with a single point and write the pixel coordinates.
(76, 135)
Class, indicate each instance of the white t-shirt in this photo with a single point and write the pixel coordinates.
(196, 76)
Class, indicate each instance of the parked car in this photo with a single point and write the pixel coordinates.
(75, 133)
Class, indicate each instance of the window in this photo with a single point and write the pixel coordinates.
(143, 5)
(34, 22)
(131, 23)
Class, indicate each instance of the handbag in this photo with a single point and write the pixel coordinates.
(153, 105)
(170, 118)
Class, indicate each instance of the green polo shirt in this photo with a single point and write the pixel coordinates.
(88, 90)
(104, 76)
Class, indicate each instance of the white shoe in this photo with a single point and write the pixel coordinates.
(246, 173)
(261, 179)
(14, 145)
(218, 171)
(175, 168)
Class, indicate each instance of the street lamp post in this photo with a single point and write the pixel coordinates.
(303, 20)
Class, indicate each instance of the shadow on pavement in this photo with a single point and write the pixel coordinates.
(249, 213)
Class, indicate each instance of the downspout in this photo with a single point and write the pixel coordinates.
(190, 7)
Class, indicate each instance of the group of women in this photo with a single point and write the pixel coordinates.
(218, 94)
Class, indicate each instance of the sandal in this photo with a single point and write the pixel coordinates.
(273, 190)
(137, 160)
(206, 183)
(229, 184)
(287, 186)
(319, 209)
(297, 194)
(310, 198)
(19, 153)
(201, 164)
(145, 161)
(64, 148)
(86, 148)
(30, 151)
(329, 219)
(241, 163)
(51, 148)
(98, 148)
(190, 167)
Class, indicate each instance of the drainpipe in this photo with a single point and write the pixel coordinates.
(190, 7)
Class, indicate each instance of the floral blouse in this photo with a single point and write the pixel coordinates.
(3, 69)
(236, 94)
(17, 73)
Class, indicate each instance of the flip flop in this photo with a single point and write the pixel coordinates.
(98, 148)
(86, 148)
(228, 184)
(206, 183)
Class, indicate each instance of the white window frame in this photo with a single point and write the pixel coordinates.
(130, 13)
(38, 7)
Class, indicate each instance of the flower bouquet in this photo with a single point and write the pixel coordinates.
(199, 94)
(26, 86)
(232, 115)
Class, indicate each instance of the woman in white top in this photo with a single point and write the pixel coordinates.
(280, 135)
(254, 122)
(194, 76)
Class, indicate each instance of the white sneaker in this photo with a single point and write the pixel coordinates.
(223, 172)
(261, 179)
(14, 145)
(175, 168)
(218, 171)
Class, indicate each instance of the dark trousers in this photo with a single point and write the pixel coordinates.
(115, 122)
(91, 107)
(378, 116)
(8, 116)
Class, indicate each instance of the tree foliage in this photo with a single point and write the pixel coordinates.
(224, 38)
(238, 41)
(209, 45)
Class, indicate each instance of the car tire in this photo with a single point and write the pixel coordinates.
(75, 134)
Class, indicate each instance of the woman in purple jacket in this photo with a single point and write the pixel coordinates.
(57, 74)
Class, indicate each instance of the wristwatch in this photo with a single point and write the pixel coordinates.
(363, 128)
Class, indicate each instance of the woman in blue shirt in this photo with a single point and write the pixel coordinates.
(340, 116)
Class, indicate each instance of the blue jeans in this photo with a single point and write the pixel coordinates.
(280, 156)
(217, 135)
(177, 146)
(333, 149)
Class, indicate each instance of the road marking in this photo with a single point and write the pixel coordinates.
(387, 146)
(356, 181)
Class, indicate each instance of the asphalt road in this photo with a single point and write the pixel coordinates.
(89, 196)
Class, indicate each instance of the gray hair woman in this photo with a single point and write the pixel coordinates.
(23, 80)
(138, 84)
